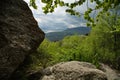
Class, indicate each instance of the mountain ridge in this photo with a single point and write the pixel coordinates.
(56, 36)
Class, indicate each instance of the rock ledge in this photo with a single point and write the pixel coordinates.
(73, 70)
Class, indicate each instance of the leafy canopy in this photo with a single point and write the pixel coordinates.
(102, 5)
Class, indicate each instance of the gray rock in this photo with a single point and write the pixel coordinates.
(111, 74)
(74, 70)
(19, 35)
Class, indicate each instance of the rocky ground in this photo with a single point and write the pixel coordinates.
(73, 70)
(111, 73)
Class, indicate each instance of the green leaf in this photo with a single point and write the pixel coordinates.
(33, 4)
(61, 3)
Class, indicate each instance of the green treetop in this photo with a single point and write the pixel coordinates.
(102, 5)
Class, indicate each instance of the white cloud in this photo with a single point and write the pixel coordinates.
(59, 19)
(38, 20)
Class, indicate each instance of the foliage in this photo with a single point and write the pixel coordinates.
(62, 50)
(101, 45)
(33, 4)
(101, 5)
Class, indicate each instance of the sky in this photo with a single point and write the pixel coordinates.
(59, 20)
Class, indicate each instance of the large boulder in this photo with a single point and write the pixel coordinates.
(73, 70)
(19, 35)
(111, 73)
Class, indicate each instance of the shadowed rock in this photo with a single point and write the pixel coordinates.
(19, 35)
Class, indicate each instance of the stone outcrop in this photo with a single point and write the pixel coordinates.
(73, 70)
(111, 73)
(19, 35)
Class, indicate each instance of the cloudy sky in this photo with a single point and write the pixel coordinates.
(58, 20)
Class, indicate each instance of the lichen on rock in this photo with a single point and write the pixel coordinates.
(74, 70)
(19, 35)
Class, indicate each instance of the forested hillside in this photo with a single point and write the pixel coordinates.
(56, 36)
(101, 45)
(25, 53)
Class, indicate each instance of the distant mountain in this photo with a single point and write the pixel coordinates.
(62, 22)
(55, 36)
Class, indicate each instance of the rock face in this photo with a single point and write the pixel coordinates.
(19, 35)
(73, 71)
(111, 74)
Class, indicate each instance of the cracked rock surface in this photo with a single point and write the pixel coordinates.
(73, 70)
(19, 35)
